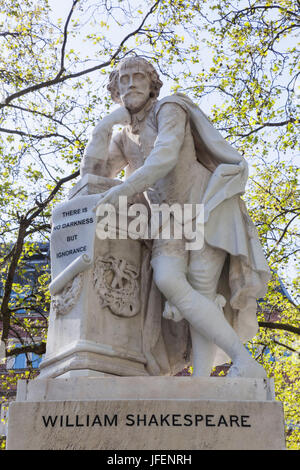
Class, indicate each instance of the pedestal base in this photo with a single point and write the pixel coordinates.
(136, 413)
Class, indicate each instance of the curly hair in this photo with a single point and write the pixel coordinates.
(113, 85)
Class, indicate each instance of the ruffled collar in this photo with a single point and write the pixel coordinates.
(138, 118)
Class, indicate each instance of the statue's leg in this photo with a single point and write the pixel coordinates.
(204, 352)
(202, 313)
(204, 271)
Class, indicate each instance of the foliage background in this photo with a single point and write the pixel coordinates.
(237, 59)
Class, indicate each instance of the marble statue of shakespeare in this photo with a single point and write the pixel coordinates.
(172, 153)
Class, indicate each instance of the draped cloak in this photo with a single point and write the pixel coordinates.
(166, 344)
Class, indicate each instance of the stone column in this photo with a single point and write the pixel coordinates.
(95, 323)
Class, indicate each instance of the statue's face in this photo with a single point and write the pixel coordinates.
(134, 87)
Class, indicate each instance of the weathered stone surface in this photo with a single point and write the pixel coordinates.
(146, 424)
(84, 332)
(136, 388)
(92, 184)
(145, 413)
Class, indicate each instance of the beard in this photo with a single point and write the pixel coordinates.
(134, 101)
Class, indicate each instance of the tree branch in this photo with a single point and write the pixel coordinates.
(43, 204)
(267, 124)
(285, 346)
(25, 222)
(39, 348)
(283, 233)
(280, 326)
(12, 34)
(63, 49)
(34, 136)
(59, 78)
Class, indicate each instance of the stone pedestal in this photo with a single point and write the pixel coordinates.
(87, 335)
(90, 336)
(136, 413)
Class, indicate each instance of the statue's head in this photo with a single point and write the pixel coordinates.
(133, 82)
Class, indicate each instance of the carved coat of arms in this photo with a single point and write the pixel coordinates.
(117, 285)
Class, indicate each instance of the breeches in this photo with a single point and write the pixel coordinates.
(176, 272)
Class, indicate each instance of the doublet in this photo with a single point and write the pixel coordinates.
(187, 180)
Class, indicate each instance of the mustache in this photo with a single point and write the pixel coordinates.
(130, 92)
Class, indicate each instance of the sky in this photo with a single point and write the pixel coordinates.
(60, 9)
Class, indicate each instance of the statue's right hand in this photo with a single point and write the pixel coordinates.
(120, 116)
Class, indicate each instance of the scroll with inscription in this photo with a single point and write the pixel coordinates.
(72, 240)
